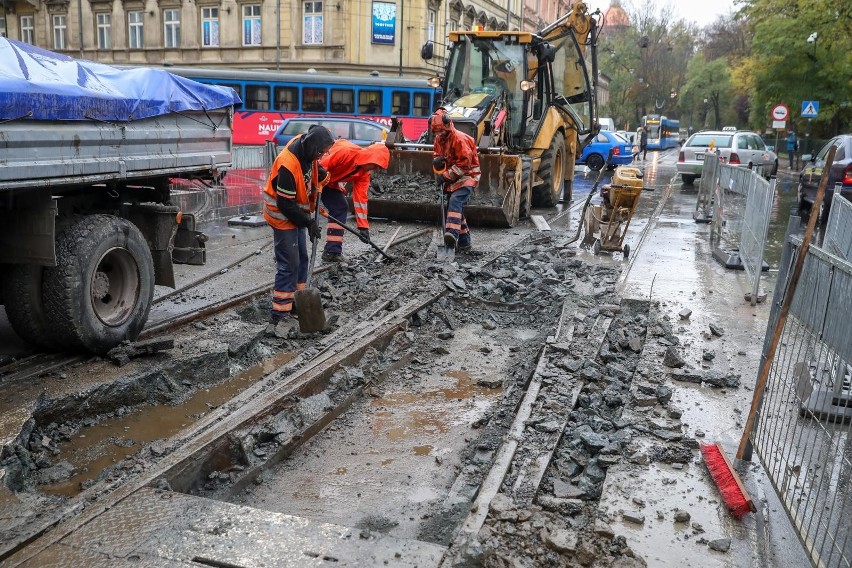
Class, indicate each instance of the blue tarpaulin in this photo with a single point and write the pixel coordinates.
(42, 85)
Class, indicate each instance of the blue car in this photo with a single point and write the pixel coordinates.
(594, 155)
(356, 130)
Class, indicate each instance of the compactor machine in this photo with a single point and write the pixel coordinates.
(529, 101)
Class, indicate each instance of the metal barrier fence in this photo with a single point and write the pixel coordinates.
(706, 187)
(837, 237)
(741, 201)
(803, 431)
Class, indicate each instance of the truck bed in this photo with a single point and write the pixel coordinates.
(39, 153)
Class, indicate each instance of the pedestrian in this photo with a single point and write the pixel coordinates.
(457, 151)
(643, 143)
(792, 146)
(289, 197)
(348, 163)
(636, 138)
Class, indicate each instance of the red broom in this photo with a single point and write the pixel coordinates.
(730, 485)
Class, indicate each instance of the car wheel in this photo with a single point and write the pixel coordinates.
(101, 289)
(687, 179)
(595, 162)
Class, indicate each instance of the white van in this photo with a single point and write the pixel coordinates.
(607, 124)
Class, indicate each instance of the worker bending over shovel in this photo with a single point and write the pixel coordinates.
(348, 163)
(456, 151)
(289, 196)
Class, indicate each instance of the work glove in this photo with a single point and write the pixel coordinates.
(322, 176)
(314, 231)
(439, 164)
(364, 235)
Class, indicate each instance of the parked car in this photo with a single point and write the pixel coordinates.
(356, 130)
(841, 172)
(626, 135)
(738, 147)
(594, 155)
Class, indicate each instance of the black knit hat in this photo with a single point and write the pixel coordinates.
(317, 141)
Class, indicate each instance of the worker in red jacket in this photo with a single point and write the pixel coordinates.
(288, 200)
(457, 151)
(348, 163)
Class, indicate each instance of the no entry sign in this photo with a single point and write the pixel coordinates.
(780, 112)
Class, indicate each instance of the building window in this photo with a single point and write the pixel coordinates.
(454, 25)
(430, 29)
(286, 98)
(342, 100)
(3, 23)
(422, 106)
(27, 30)
(251, 24)
(312, 32)
(134, 30)
(369, 102)
(210, 27)
(104, 39)
(171, 28)
(59, 29)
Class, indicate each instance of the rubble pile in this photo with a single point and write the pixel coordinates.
(419, 188)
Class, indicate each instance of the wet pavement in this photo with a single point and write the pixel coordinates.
(419, 420)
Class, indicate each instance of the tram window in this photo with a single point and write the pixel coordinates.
(257, 97)
(342, 100)
(286, 98)
(422, 104)
(401, 103)
(314, 99)
(369, 102)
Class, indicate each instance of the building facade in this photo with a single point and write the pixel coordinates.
(337, 36)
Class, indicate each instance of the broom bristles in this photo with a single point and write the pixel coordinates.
(733, 497)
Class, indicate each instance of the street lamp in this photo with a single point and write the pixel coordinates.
(706, 114)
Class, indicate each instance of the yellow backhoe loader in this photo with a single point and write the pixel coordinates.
(529, 101)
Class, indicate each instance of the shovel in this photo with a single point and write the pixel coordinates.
(308, 301)
(326, 214)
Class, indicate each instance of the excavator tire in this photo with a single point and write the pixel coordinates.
(551, 171)
(526, 198)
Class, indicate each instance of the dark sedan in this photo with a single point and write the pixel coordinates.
(841, 172)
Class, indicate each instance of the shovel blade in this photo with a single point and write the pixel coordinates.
(446, 254)
(309, 309)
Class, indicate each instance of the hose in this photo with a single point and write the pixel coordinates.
(589, 199)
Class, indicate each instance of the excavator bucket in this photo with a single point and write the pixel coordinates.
(406, 191)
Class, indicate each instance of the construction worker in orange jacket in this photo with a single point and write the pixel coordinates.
(289, 197)
(348, 163)
(457, 152)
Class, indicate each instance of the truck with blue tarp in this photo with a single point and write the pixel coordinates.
(88, 154)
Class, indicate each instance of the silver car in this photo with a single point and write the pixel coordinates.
(740, 147)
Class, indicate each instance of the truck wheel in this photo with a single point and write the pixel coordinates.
(552, 171)
(24, 308)
(101, 289)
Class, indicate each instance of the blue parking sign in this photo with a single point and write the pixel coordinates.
(810, 109)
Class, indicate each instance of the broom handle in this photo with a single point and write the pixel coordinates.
(785, 305)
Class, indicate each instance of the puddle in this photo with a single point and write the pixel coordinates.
(96, 447)
(426, 414)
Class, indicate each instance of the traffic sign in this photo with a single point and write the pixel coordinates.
(810, 109)
(780, 112)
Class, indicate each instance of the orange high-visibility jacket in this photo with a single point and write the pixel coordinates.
(459, 151)
(342, 163)
(305, 200)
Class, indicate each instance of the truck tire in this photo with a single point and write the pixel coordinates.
(552, 171)
(101, 289)
(24, 307)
